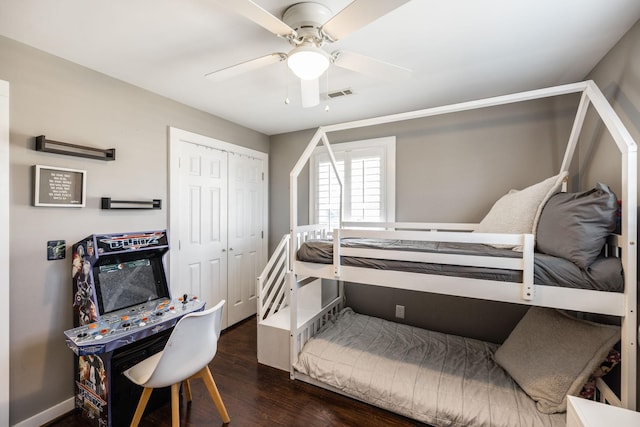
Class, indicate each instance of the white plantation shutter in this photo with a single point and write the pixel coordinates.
(366, 186)
(328, 194)
(368, 172)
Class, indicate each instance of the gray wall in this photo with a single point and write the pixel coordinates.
(618, 77)
(448, 169)
(73, 104)
(284, 152)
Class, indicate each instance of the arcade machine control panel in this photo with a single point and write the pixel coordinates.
(123, 327)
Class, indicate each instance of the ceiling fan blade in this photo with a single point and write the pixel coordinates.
(244, 67)
(356, 15)
(310, 92)
(370, 66)
(260, 16)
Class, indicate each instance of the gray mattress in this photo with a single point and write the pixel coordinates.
(439, 379)
(605, 274)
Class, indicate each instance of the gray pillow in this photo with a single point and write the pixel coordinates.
(551, 355)
(575, 226)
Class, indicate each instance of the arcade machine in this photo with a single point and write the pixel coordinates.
(122, 313)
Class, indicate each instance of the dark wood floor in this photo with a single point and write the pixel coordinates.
(257, 395)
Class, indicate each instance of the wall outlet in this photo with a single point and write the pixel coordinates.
(400, 311)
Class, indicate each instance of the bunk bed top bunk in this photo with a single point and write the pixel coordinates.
(454, 264)
(587, 300)
(603, 274)
(620, 300)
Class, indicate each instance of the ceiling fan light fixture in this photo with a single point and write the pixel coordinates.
(308, 62)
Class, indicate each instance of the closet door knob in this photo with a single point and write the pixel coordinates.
(224, 250)
(230, 249)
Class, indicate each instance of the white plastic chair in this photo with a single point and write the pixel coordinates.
(192, 345)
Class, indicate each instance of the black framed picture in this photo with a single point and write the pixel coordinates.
(56, 249)
(59, 187)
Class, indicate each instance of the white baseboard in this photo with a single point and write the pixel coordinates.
(48, 415)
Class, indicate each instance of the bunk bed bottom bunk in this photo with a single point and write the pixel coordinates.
(441, 379)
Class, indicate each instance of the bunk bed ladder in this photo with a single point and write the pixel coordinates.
(273, 327)
(281, 329)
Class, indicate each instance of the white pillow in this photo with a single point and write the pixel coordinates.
(517, 212)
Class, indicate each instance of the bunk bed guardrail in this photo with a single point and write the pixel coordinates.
(272, 284)
(523, 263)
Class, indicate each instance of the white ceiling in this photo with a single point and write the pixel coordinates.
(458, 50)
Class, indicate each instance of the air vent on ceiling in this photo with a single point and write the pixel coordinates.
(339, 93)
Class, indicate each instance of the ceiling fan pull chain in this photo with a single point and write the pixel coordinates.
(326, 107)
(287, 101)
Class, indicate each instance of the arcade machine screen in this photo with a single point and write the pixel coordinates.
(128, 283)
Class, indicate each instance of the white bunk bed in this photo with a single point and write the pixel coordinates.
(290, 309)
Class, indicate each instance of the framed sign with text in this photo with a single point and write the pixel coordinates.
(59, 187)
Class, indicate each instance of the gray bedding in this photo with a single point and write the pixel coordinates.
(605, 274)
(439, 379)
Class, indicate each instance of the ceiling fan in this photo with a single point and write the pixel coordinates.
(307, 27)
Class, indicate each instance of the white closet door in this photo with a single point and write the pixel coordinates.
(203, 223)
(245, 235)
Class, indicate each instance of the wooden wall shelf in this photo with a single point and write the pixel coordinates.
(108, 203)
(49, 146)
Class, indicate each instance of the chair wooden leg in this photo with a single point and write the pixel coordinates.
(142, 403)
(187, 390)
(205, 373)
(175, 405)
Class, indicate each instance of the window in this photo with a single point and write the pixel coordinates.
(368, 171)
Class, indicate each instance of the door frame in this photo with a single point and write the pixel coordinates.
(4, 253)
(175, 137)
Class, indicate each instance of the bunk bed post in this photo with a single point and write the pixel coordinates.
(334, 166)
(293, 245)
(293, 189)
(629, 345)
(528, 289)
(293, 325)
(336, 253)
(575, 131)
(629, 174)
